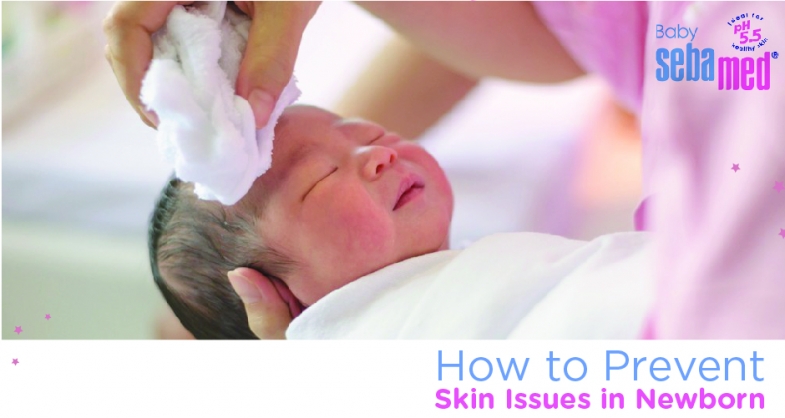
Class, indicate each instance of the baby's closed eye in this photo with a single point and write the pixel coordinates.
(333, 170)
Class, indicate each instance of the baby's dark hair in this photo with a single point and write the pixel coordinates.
(193, 245)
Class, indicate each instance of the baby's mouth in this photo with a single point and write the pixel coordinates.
(411, 187)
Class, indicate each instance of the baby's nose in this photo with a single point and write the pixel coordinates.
(377, 159)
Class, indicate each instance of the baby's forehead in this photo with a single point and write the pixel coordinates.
(302, 120)
(300, 130)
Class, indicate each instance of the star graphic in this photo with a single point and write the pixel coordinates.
(735, 168)
(18, 330)
(782, 233)
(15, 362)
(778, 186)
(48, 317)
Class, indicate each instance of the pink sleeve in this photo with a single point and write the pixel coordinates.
(721, 232)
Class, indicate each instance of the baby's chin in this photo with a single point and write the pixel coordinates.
(438, 239)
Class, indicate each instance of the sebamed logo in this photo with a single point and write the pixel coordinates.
(748, 68)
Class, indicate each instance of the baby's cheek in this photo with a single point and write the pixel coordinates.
(354, 243)
(362, 230)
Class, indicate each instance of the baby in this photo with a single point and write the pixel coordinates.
(342, 199)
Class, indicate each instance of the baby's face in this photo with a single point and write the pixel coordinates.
(345, 198)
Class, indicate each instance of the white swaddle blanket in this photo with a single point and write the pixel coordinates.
(518, 286)
(206, 131)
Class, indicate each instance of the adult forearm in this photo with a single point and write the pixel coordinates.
(405, 90)
(449, 46)
(480, 39)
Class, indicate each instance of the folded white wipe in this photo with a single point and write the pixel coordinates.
(205, 129)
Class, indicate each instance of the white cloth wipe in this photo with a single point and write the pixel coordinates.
(205, 129)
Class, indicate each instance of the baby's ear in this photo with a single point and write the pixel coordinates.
(295, 306)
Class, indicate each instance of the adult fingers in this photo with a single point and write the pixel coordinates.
(128, 28)
(273, 43)
(268, 314)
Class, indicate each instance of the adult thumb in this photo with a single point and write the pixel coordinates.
(268, 315)
(273, 42)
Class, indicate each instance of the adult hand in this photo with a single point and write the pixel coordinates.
(269, 304)
(273, 41)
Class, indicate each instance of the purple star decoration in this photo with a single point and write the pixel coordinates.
(782, 233)
(735, 168)
(18, 330)
(778, 186)
(48, 317)
(15, 362)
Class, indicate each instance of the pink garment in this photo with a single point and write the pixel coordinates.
(607, 38)
(721, 269)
